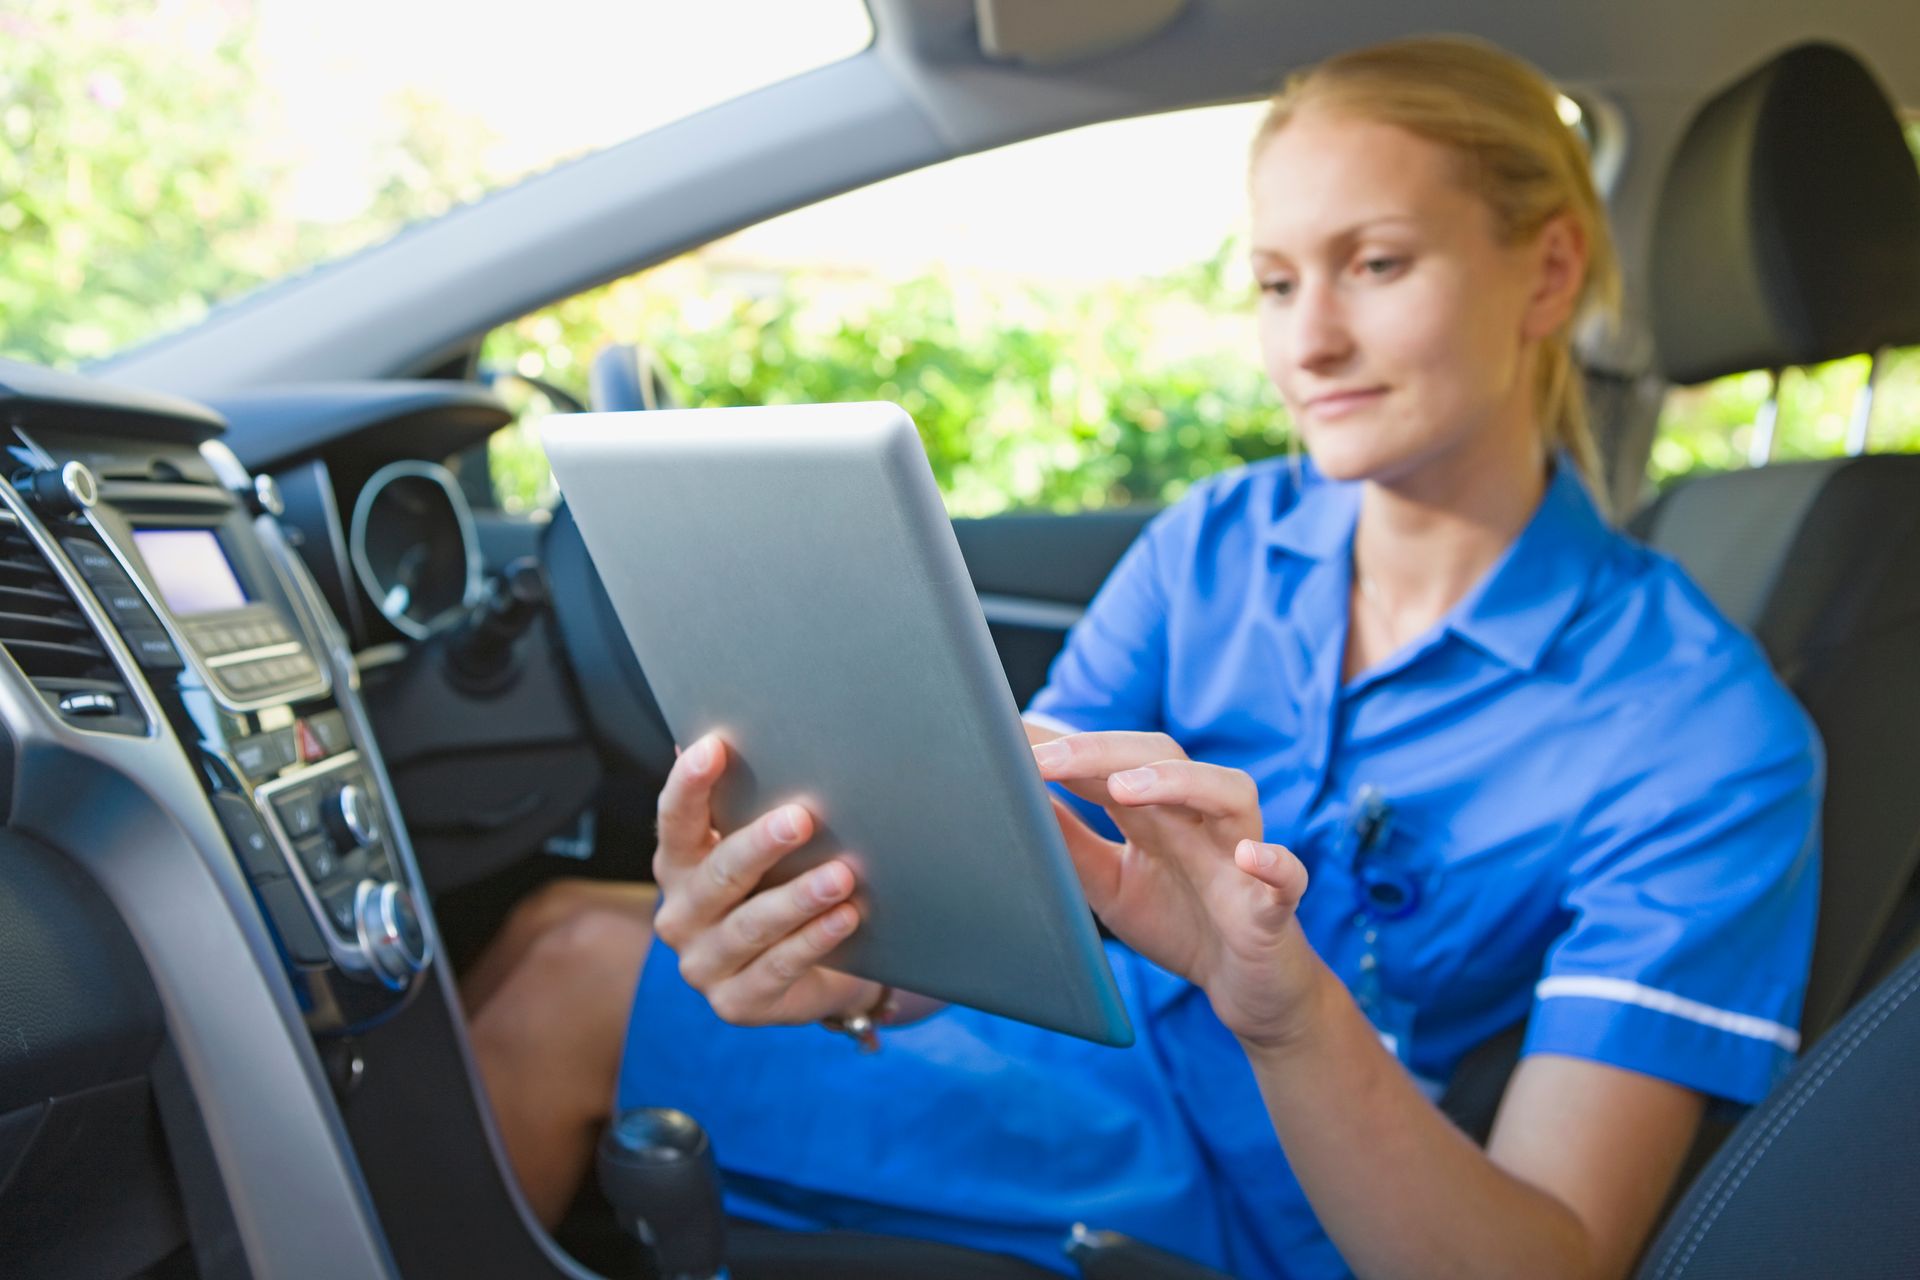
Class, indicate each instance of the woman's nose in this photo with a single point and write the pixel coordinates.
(1321, 337)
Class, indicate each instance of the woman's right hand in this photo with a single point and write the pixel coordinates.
(755, 956)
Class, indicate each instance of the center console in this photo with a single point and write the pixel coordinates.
(181, 553)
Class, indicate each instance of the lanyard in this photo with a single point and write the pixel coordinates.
(1382, 891)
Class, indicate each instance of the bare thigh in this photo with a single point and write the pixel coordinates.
(547, 1010)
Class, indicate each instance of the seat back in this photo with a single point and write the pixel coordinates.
(1789, 233)
(1821, 562)
(1820, 1179)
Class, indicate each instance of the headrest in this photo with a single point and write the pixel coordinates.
(1789, 225)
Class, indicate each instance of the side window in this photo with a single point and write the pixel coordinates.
(1068, 320)
(1711, 427)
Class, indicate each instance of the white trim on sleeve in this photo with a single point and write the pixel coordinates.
(1046, 721)
(1622, 991)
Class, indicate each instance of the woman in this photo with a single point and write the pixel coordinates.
(1523, 765)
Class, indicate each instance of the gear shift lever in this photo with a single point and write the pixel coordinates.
(657, 1169)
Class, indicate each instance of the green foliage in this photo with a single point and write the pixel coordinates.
(138, 186)
(1064, 398)
(112, 188)
(1708, 428)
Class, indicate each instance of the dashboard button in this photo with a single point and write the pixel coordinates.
(128, 609)
(285, 750)
(244, 678)
(151, 648)
(95, 563)
(299, 812)
(255, 756)
(317, 856)
(331, 728)
(340, 910)
(89, 703)
(258, 853)
(308, 742)
(292, 921)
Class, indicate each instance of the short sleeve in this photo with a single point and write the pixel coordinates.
(1112, 672)
(1693, 893)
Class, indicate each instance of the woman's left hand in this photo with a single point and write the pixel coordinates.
(1193, 888)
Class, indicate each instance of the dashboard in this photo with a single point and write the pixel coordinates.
(238, 1046)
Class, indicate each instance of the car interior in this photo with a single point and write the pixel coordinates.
(294, 714)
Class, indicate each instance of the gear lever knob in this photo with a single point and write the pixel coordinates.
(656, 1167)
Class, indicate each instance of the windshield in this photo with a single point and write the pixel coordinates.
(157, 159)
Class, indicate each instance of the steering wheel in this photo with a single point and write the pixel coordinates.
(622, 714)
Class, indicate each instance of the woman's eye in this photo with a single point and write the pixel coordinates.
(1277, 288)
(1381, 265)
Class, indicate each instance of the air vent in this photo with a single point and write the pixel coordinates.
(51, 641)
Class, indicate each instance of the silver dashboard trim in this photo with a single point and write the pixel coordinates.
(469, 538)
(283, 650)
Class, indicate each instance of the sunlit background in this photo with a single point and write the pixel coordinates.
(1067, 319)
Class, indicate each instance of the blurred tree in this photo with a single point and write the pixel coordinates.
(1025, 395)
(138, 180)
(112, 187)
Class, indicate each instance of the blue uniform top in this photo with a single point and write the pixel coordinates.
(1581, 798)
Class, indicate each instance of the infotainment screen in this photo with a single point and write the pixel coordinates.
(192, 571)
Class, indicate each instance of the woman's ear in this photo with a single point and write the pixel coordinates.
(1560, 269)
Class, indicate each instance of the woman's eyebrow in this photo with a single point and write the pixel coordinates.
(1347, 234)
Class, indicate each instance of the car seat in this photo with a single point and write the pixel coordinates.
(1788, 232)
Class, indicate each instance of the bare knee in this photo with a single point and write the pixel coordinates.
(548, 906)
(587, 944)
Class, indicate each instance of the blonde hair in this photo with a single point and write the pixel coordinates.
(1502, 118)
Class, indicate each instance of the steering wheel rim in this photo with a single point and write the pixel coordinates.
(621, 711)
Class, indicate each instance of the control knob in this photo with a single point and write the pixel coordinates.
(262, 497)
(350, 817)
(390, 931)
(57, 494)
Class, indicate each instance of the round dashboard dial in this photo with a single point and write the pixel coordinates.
(414, 549)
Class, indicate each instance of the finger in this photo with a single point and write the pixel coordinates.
(685, 813)
(736, 866)
(757, 990)
(1037, 733)
(1276, 869)
(1078, 756)
(1209, 789)
(1096, 860)
(760, 922)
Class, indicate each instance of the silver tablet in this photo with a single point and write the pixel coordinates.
(788, 577)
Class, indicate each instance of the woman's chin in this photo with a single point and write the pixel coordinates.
(1346, 458)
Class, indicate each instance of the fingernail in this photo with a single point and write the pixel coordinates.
(1264, 856)
(1049, 754)
(702, 754)
(786, 823)
(827, 884)
(1135, 780)
(839, 922)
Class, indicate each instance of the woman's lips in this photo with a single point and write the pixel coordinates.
(1333, 405)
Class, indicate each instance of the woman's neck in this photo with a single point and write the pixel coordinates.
(1425, 538)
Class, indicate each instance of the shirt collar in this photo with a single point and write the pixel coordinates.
(1517, 609)
(1319, 523)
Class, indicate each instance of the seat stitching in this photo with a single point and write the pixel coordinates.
(1737, 1171)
